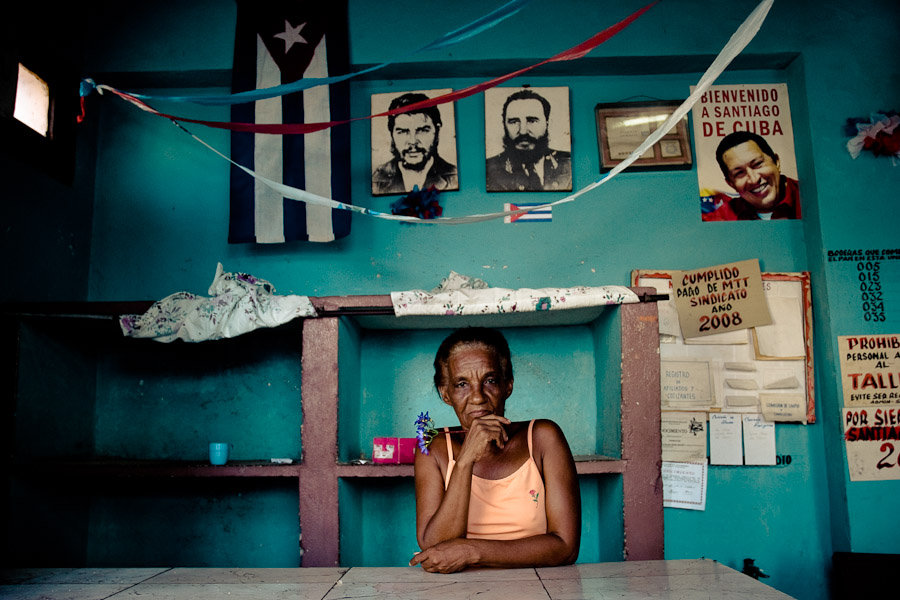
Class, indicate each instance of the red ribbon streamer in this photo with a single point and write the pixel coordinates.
(573, 53)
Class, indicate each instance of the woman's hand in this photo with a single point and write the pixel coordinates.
(483, 434)
(446, 557)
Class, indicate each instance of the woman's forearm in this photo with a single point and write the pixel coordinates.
(450, 520)
(545, 550)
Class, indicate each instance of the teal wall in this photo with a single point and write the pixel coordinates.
(110, 397)
(147, 215)
(554, 378)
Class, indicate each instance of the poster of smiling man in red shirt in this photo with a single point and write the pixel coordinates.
(745, 154)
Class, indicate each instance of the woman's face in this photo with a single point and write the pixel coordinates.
(474, 384)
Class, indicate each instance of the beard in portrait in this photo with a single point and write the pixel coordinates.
(415, 137)
(527, 161)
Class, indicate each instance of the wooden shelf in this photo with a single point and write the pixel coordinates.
(74, 310)
(585, 465)
(156, 468)
(599, 465)
(372, 470)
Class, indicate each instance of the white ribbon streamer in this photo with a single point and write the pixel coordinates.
(736, 44)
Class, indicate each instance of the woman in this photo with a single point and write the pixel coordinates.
(493, 493)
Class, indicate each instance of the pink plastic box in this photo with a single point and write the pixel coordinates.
(391, 450)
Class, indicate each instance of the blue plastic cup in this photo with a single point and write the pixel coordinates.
(218, 453)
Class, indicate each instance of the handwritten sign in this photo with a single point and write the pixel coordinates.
(721, 298)
(684, 485)
(874, 272)
(685, 385)
(783, 407)
(872, 437)
(870, 369)
(725, 444)
(759, 440)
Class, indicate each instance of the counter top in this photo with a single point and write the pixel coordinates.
(662, 579)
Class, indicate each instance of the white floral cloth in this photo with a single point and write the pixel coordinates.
(455, 281)
(239, 303)
(460, 295)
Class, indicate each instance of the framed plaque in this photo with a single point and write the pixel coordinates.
(622, 126)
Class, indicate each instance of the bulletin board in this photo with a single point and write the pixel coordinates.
(750, 370)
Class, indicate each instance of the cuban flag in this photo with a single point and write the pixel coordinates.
(280, 42)
(541, 215)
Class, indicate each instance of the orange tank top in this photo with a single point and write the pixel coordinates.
(510, 508)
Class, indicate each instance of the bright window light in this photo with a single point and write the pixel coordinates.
(32, 101)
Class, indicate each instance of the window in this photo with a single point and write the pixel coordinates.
(38, 107)
(32, 101)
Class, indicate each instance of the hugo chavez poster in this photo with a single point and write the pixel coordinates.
(746, 166)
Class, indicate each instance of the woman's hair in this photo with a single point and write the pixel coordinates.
(490, 338)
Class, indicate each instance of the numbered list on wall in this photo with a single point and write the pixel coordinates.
(874, 275)
(870, 363)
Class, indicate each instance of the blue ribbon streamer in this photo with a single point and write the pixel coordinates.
(735, 45)
(448, 39)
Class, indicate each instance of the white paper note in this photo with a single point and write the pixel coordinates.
(784, 337)
(741, 401)
(742, 384)
(725, 439)
(783, 407)
(668, 316)
(729, 337)
(685, 384)
(759, 441)
(740, 366)
(684, 485)
(683, 436)
(788, 382)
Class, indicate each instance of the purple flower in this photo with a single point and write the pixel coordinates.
(425, 431)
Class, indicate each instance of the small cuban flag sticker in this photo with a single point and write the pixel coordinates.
(541, 215)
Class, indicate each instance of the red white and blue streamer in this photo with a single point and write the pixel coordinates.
(450, 38)
(735, 45)
(573, 53)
